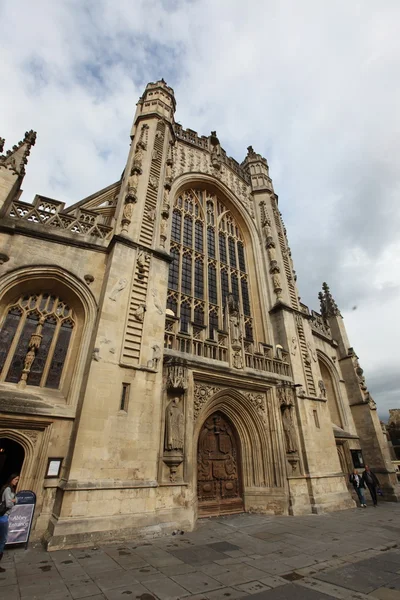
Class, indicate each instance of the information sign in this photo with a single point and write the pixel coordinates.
(20, 519)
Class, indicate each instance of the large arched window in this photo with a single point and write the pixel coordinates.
(209, 263)
(35, 337)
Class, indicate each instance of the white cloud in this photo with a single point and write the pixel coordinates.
(312, 85)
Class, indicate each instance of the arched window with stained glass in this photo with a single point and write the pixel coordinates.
(209, 263)
(35, 338)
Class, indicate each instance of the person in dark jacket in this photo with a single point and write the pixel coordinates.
(372, 483)
(359, 486)
(7, 495)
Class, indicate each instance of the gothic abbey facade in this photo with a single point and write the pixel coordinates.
(156, 364)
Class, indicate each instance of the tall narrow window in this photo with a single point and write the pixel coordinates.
(126, 388)
(35, 338)
(209, 263)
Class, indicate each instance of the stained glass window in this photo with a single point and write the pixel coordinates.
(209, 262)
(42, 324)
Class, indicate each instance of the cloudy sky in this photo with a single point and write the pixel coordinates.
(312, 85)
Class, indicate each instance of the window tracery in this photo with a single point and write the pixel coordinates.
(209, 263)
(35, 337)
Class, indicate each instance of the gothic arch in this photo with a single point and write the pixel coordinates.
(53, 278)
(334, 398)
(27, 444)
(258, 279)
(257, 451)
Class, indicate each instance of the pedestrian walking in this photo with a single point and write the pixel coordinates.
(359, 486)
(7, 501)
(372, 483)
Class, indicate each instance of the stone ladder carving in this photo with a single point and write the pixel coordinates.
(305, 356)
(147, 230)
(286, 261)
(134, 325)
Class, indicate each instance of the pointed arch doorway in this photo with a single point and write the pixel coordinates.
(12, 456)
(219, 473)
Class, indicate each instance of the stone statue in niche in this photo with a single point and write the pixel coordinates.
(118, 288)
(133, 180)
(288, 427)
(322, 389)
(293, 346)
(174, 426)
(234, 320)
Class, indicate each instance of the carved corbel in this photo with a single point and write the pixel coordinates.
(176, 373)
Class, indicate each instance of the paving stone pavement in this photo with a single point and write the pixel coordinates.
(350, 555)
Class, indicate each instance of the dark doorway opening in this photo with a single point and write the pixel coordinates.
(12, 457)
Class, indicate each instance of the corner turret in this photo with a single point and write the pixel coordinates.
(12, 169)
(257, 166)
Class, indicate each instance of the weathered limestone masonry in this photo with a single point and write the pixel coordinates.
(156, 364)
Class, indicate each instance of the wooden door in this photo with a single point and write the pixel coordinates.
(219, 486)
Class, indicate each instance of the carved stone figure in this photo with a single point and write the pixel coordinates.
(138, 159)
(128, 211)
(312, 352)
(234, 326)
(118, 288)
(276, 280)
(322, 389)
(154, 362)
(238, 360)
(139, 312)
(174, 426)
(293, 346)
(163, 232)
(288, 427)
(156, 301)
(133, 180)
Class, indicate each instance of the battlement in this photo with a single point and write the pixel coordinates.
(190, 136)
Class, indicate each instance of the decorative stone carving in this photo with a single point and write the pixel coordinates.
(238, 360)
(88, 278)
(174, 426)
(285, 396)
(163, 231)
(154, 362)
(139, 312)
(258, 402)
(33, 346)
(153, 182)
(117, 289)
(31, 434)
(176, 376)
(141, 262)
(328, 305)
(322, 389)
(276, 282)
(157, 302)
(202, 392)
(293, 347)
(127, 213)
(165, 208)
(312, 351)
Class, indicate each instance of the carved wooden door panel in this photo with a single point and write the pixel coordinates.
(219, 486)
